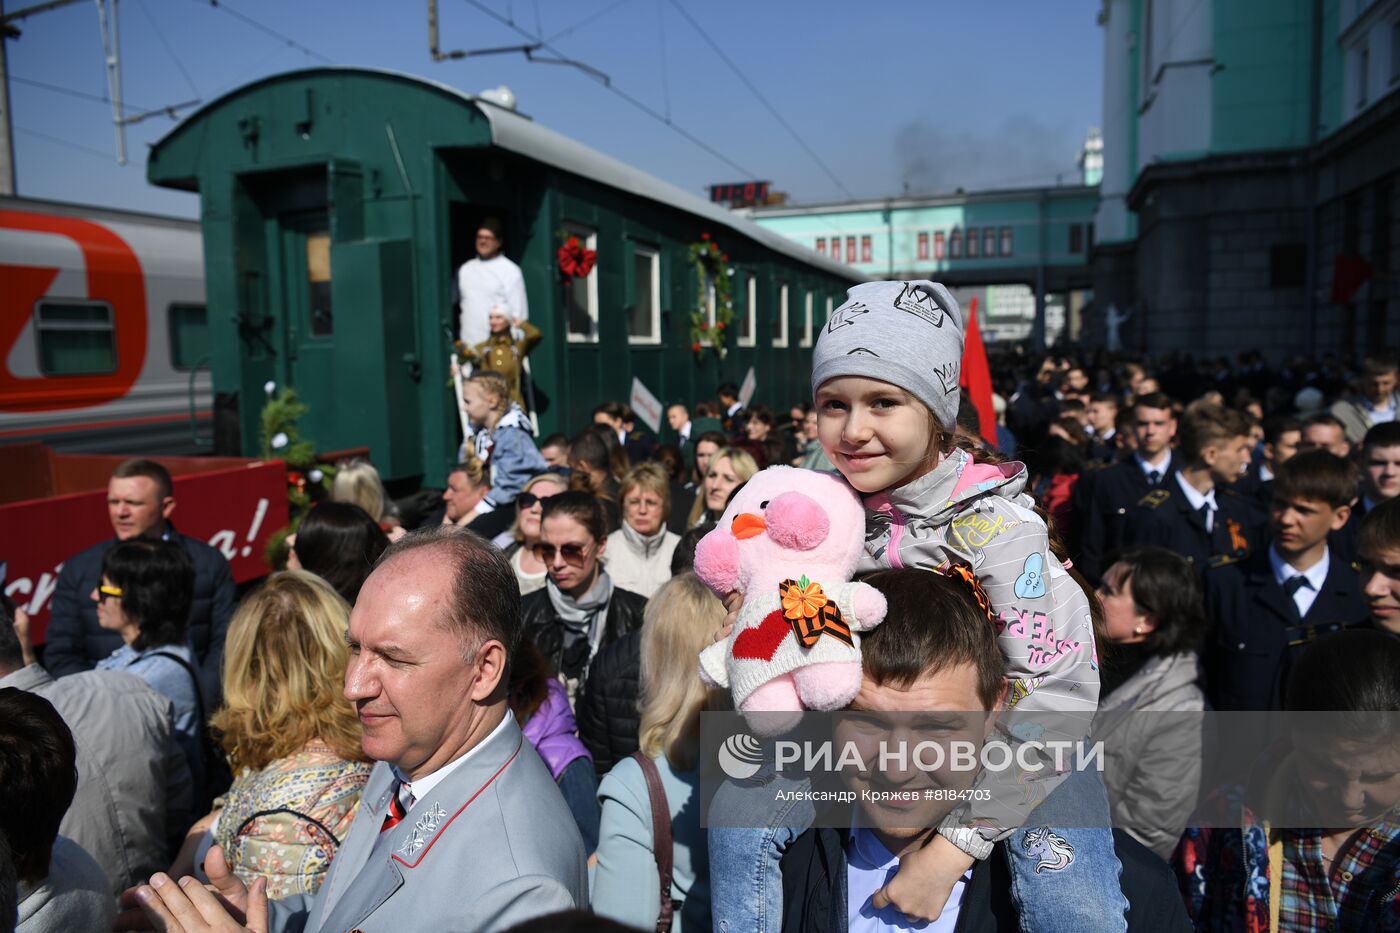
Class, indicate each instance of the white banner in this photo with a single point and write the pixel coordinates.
(749, 387)
(646, 405)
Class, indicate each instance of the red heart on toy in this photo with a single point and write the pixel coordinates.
(760, 644)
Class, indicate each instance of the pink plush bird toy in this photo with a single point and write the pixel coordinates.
(789, 541)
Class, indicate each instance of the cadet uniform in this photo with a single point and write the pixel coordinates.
(1104, 451)
(1104, 501)
(1255, 486)
(1166, 518)
(1258, 630)
(1343, 540)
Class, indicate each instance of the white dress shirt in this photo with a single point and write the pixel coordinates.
(1198, 499)
(1316, 575)
(1162, 466)
(417, 790)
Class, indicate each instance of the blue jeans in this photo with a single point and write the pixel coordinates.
(1061, 879)
(746, 879)
(1068, 879)
(579, 785)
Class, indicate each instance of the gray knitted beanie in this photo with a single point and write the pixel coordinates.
(909, 334)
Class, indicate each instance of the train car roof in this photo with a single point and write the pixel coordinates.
(519, 134)
(94, 212)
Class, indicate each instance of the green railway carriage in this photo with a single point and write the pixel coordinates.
(337, 204)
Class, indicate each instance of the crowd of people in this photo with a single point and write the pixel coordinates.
(480, 708)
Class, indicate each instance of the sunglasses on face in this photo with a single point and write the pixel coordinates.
(527, 500)
(105, 593)
(573, 554)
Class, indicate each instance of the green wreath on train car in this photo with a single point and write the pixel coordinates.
(711, 268)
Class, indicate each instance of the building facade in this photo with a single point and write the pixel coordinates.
(979, 242)
(1249, 196)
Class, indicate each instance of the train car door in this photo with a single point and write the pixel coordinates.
(310, 322)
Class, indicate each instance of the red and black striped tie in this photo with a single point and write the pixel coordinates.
(396, 811)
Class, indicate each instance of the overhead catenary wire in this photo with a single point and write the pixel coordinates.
(70, 92)
(586, 21)
(268, 31)
(606, 82)
(79, 147)
(665, 59)
(758, 95)
(170, 49)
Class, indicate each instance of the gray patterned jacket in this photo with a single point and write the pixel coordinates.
(978, 515)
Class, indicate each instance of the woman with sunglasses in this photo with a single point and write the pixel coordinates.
(519, 543)
(145, 596)
(579, 610)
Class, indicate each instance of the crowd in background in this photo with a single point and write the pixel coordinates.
(1231, 514)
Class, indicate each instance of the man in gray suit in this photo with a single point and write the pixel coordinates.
(460, 826)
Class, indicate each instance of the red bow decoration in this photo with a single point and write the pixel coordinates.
(574, 260)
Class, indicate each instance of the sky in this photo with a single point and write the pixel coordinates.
(882, 98)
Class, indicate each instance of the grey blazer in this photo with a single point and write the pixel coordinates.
(492, 845)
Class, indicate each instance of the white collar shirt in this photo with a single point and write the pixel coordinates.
(417, 790)
(1162, 466)
(1198, 499)
(1316, 575)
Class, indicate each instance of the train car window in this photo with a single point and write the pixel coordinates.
(189, 336)
(746, 322)
(318, 282)
(644, 324)
(76, 337)
(582, 294)
(780, 320)
(806, 339)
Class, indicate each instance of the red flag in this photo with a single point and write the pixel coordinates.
(1349, 273)
(976, 375)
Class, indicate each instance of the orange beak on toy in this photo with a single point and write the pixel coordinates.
(747, 524)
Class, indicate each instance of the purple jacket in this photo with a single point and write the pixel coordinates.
(553, 731)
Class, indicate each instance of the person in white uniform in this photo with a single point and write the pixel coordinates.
(486, 282)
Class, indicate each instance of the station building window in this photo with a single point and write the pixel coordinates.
(1007, 241)
(76, 337)
(955, 245)
(747, 320)
(780, 321)
(582, 294)
(850, 249)
(1076, 238)
(989, 242)
(923, 246)
(189, 335)
(972, 243)
(644, 324)
(939, 245)
(821, 245)
(806, 339)
(865, 249)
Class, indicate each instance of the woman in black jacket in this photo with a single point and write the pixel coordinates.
(579, 612)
